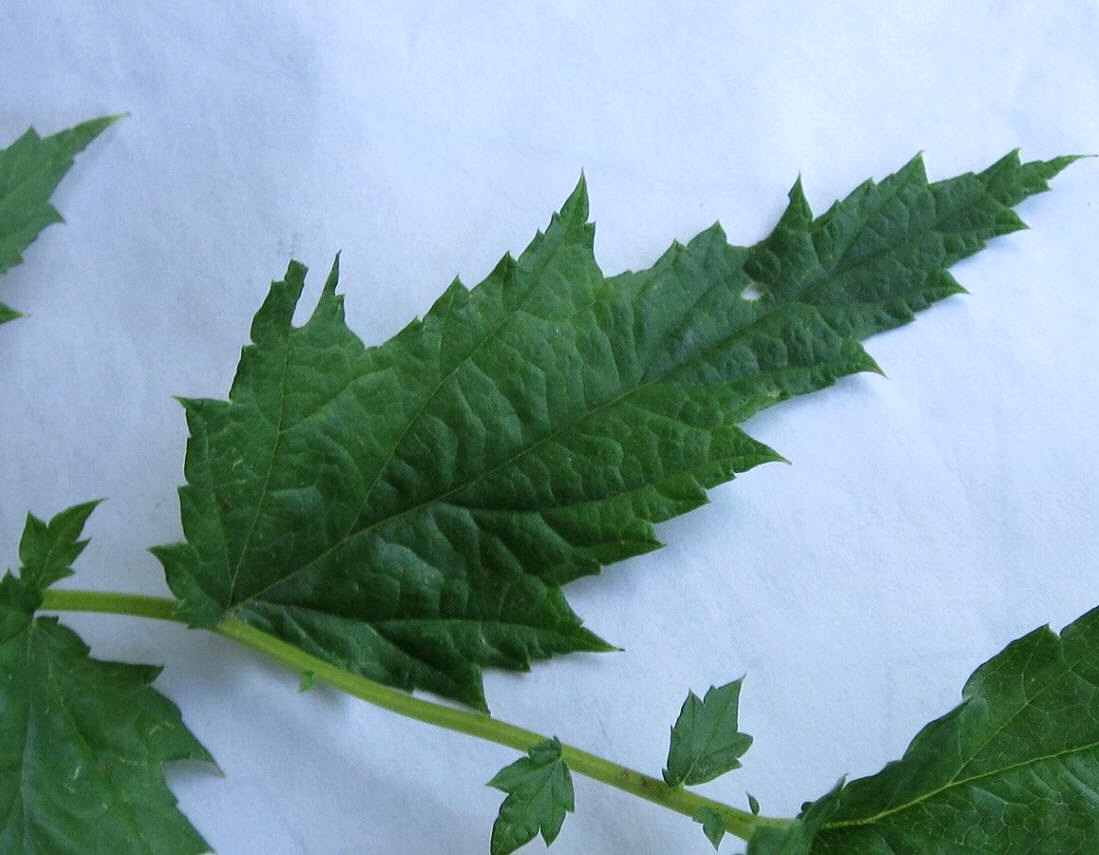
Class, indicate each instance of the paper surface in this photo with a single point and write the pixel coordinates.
(927, 519)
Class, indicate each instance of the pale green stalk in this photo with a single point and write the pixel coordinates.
(737, 822)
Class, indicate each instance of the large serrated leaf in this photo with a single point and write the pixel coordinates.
(410, 511)
(82, 742)
(30, 170)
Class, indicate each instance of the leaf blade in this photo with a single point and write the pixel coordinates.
(706, 741)
(47, 550)
(539, 788)
(410, 511)
(83, 742)
(30, 170)
(1014, 768)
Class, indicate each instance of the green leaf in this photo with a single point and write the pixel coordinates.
(539, 789)
(82, 742)
(411, 511)
(48, 550)
(706, 741)
(30, 170)
(713, 826)
(308, 681)
(1013, 769)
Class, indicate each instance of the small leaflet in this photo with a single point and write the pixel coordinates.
(47, 550)
(706, 741)
(539, 789)
(713, 826)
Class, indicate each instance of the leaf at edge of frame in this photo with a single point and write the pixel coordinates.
(1014, 768)
(30, 170)
(82, 741)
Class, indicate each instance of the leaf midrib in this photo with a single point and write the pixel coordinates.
(412, 654)
(545, 792)
(427, 619)
(350, 533)
(706, 750)
(489, 336)
(270, 470)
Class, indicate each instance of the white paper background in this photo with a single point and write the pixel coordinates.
(927, 520)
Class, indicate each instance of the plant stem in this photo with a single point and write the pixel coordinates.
(737, 822)
(137, 605)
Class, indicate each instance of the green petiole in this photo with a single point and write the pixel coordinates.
(737, 822)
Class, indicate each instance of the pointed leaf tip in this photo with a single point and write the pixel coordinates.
(798, 212)
(916, 166)
(333, 275)
(575, 209)
(274, 318)
(329, 304)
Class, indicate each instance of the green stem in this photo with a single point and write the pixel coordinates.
(738, 822)
(57, 600)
